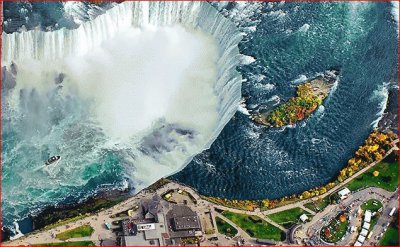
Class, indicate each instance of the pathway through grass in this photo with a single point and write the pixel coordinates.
(288, 217)
(255, 226)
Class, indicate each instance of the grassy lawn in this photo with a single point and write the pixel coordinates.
(318, 205)
(391, 237)
(78, 243)
(63, 222)
(255, 226)
(387, 179)
(288, 217)
(371, 204)
(54, 218)
(334, 231)
(81, 231)
(225, 228)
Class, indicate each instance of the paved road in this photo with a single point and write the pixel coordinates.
(338, 186)
(240, 231)
(384, 220)
(352, 203)
(97, 220)
(203, 203)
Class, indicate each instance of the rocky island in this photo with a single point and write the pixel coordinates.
(309, 96)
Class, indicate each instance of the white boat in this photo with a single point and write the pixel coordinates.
(53, 160)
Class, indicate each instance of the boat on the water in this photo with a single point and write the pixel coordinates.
(53, 160)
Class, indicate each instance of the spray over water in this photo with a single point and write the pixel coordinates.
(135, 93)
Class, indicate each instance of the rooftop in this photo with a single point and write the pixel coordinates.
(143, 233)
(183, 222)
(186, 222)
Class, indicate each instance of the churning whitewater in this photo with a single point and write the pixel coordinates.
(147, 85)
(79, 92)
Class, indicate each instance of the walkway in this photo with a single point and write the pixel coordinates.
(241, 232)
(97, 221)
(338, 186)
(353, 203)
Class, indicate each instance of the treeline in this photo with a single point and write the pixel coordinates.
(295, 109)
(374, 149)
(248, 205)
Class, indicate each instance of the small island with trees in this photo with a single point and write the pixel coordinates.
(309, 96)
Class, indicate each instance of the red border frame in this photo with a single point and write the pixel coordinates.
(1, 31)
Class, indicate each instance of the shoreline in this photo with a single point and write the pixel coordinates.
(160, 188)
(115, 201)
(51, 216)
(310, 94)
(55, 215)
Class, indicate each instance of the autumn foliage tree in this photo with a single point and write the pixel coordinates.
(296, 108)
(374, 149)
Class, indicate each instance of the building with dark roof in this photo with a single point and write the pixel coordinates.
(154, 228)
(183, 222)
(186, 223)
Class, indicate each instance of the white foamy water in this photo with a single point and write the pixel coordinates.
(246, 60)
(381, 94)
(275, 98)
(241, 14)
(242, 108)
(17, 232)
(395, 13)
(157, 79)
(304, 28)
(300, 79)
(278, 14)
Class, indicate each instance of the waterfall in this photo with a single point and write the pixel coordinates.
(64, 42)
(163, 148)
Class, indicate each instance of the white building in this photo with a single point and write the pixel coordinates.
(361, 239)
(366, 225)
(344, 193)
(303, 217)
(367, 216)
(364, 232)
(357, 244)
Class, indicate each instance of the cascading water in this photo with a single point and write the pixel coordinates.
(136, 92)
(395, 13)
(291, 42)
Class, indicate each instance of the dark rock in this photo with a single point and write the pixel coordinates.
(8, 78)
(60, 78)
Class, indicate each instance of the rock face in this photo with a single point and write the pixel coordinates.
(310, 95)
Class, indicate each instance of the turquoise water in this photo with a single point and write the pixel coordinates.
(87, 164)
(291, 41)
